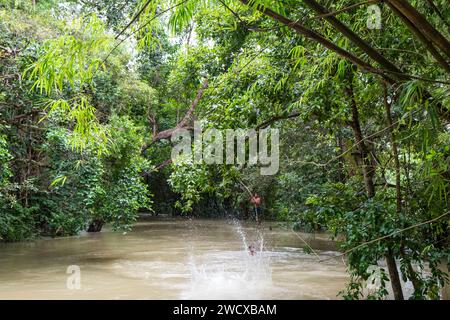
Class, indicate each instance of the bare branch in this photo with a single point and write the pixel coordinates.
(166, 134)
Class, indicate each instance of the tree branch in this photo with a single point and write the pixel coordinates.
(334, 13)
(389, 236)
(422, 38)
(268, 122)
(421, 24)
(353, 37)
(313, 35)
(166, 134)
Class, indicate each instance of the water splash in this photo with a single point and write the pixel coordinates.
(232, 274)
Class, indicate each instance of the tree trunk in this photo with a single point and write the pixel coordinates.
(96, 225)
(393, 274)
(387, 105)
(411, 273)
(368, 170)
(365, 161)
(443, 266)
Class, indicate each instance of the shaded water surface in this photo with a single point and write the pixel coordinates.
(175, 259)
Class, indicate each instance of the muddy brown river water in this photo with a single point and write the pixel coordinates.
(175, 259)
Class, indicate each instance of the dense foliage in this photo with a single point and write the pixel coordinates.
(88, 98)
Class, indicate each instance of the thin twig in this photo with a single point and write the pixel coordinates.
(355, 145)
(344, 9)
(306, 243)
(140, 28)
(137, 15)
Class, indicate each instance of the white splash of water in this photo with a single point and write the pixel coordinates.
(232, 274)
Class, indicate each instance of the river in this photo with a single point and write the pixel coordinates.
(175, 259)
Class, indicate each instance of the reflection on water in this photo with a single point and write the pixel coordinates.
(174, 259)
